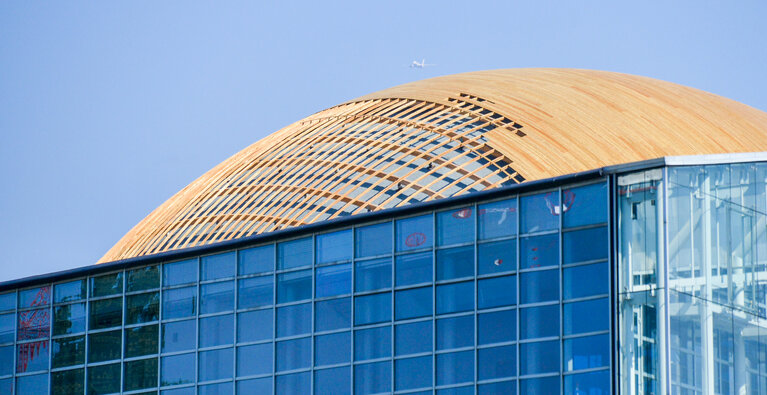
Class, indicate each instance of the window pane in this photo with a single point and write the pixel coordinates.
(373, 240)
(372, 378)
(498, 219)
(215, 364)
(370, 309)
(334, 247)
(143, 278)
(32, 357)
(7, 327)
(497, 327)
(413, 338)
(412, 303)
(294, 320)
(539, 286)
(8, 301)
(110, 284)
(217, 266)
(584, 245)
(497, 257)
(543, 385)
(215, 389)
(332, 349)
(336, 381)
(217, 330)
(142, 308)
(35, 297)
(497, 362)
(255, 386)
(587, 352)
(68, 319)
(176, 369)
(6, 360)
(504, 387)
(177, 303)
(254, 325)
(585, 205)
(180, 391)
(37, 384)
(539, 251)
(333, 314)
(294, 354)
(587, 280)
(255, 292)
(104, 346)
(256, 260)
(255, 359)
(295, 253)
(179, 336)
(374, 274)
(333, 280)
(67, 292)
(597, 311)
(68, 351)
(540, 212)
(542, 321)
(596, 383)
(455, 226)
(413, 268)
(455, 263)
(106, 313)
(33, 324)
(412, 373)
(298, 383)
(495, 292)
(216, 297)
(372, 343)
(294, 286)
(68, 382)
(104, 379)
(182, 272)
(455, 332)
(414, 233)
(140, 374)
(140, 341)
(453, 298)
(6, 385)
(455, 368)
(542, 357)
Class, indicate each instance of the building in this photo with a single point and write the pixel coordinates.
(531, 231)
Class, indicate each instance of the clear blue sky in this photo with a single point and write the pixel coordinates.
(108, 108)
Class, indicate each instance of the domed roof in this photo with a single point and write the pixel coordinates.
(443, 137)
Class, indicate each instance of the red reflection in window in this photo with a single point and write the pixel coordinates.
(34, 298)
(34, 324)
(28, 352)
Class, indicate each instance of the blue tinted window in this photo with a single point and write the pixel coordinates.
(215, 389)
(455, 332)
(370, 275)
(412, 373)
(216, 297)
(255, 292)
(35, 356)
(539, 286)
(294, 354)
(7, 325)
(455, 226)
(66, 351)
(294, 286)
(140, 374)
(541, 321)
(543, 385)
(455, 368)
(6, 386)
(179, 336)
(255, 359)
(6, 360)
(540, 212)
(373, 240)
(254, 386)
(587, 352)
(180, 391)
(541, 357)
(413, 233)
(335, 381)
(41, 296)
(597, 311)
(495, 292)
(177, 303)
(109, 284)
(182, 272)
(496, 362)
(295, 253)
(256, 260)
(66, 292)
(332, 349)
(587, 280)
(455, 263)
(372, 343)
(215, 364)
(453, 298)
(497, 327)
(585, 205)
(584, 245)
(498, 219)
(412, 303)
(466, 390)
(594, 383)
(176, 369)
(333, 280)
(372, 378)
(38, 384)
(370, 309)
(7, 301)
(297, 383)
(102, 379)
(334, 247)
(70, 318)
(217, 330)
(294, 320)
(254, 325)
(413, 338)
(143, 278)
(497, 257)
(217, 266)
(504, 387)
(35, 324)
(539, 251)
(332, 314)
(413, 268)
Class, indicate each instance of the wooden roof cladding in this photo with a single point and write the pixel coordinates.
(442, 137)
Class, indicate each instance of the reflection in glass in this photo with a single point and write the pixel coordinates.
(413, 233)
(540, 321)
(6, 360)
(372, 378)
(455, 263)
(68, 351)
(178, 303)
(412, 373)
(36, 384)
(412, 303)
(35, 297)
(216, 297)
(584, 245)
(539, 251)
(332, 314)
(106, 313)
(495, 292)
(497, 257)
(372, 343)
(597, 311)
(70, 291)
(182, 272)
(255, 359)
(294, 354)
(593, 383)
(104, 379)
(69, 319)
(142, 308)
(256, 260)
(587, 352)
(455, 332)
(104, 346)
(373, 240)
(541, 357)
(179, 336)
(213, 267)
(255, 292)
(109, 284)
(215, 389)
(140, 341)
(217, 330)
(140, 374)
(454, 368)
(295, 253)
(255, 386)
(297, 383)
(176, 369)
(333, 280)
(497, 327)
(34, 324)
(294, 320)
(294, 286)
(455, 226)
(7, 327)
(8, 301)
(585, 280)
(332, 349)
(334, 247)
(496, 362)
(370, 309)
(413, 338)
(215, 364)
(68, 382)
(333, 381)
(539, 286)
(540, 212)
(454, 298)
(32, 357)
(543, 385)
(254, 325)
(373, 274)
(498, 219)
(143, 278)
(585, 205)
(413, 268)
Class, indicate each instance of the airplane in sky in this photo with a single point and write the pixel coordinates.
(416, 65)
